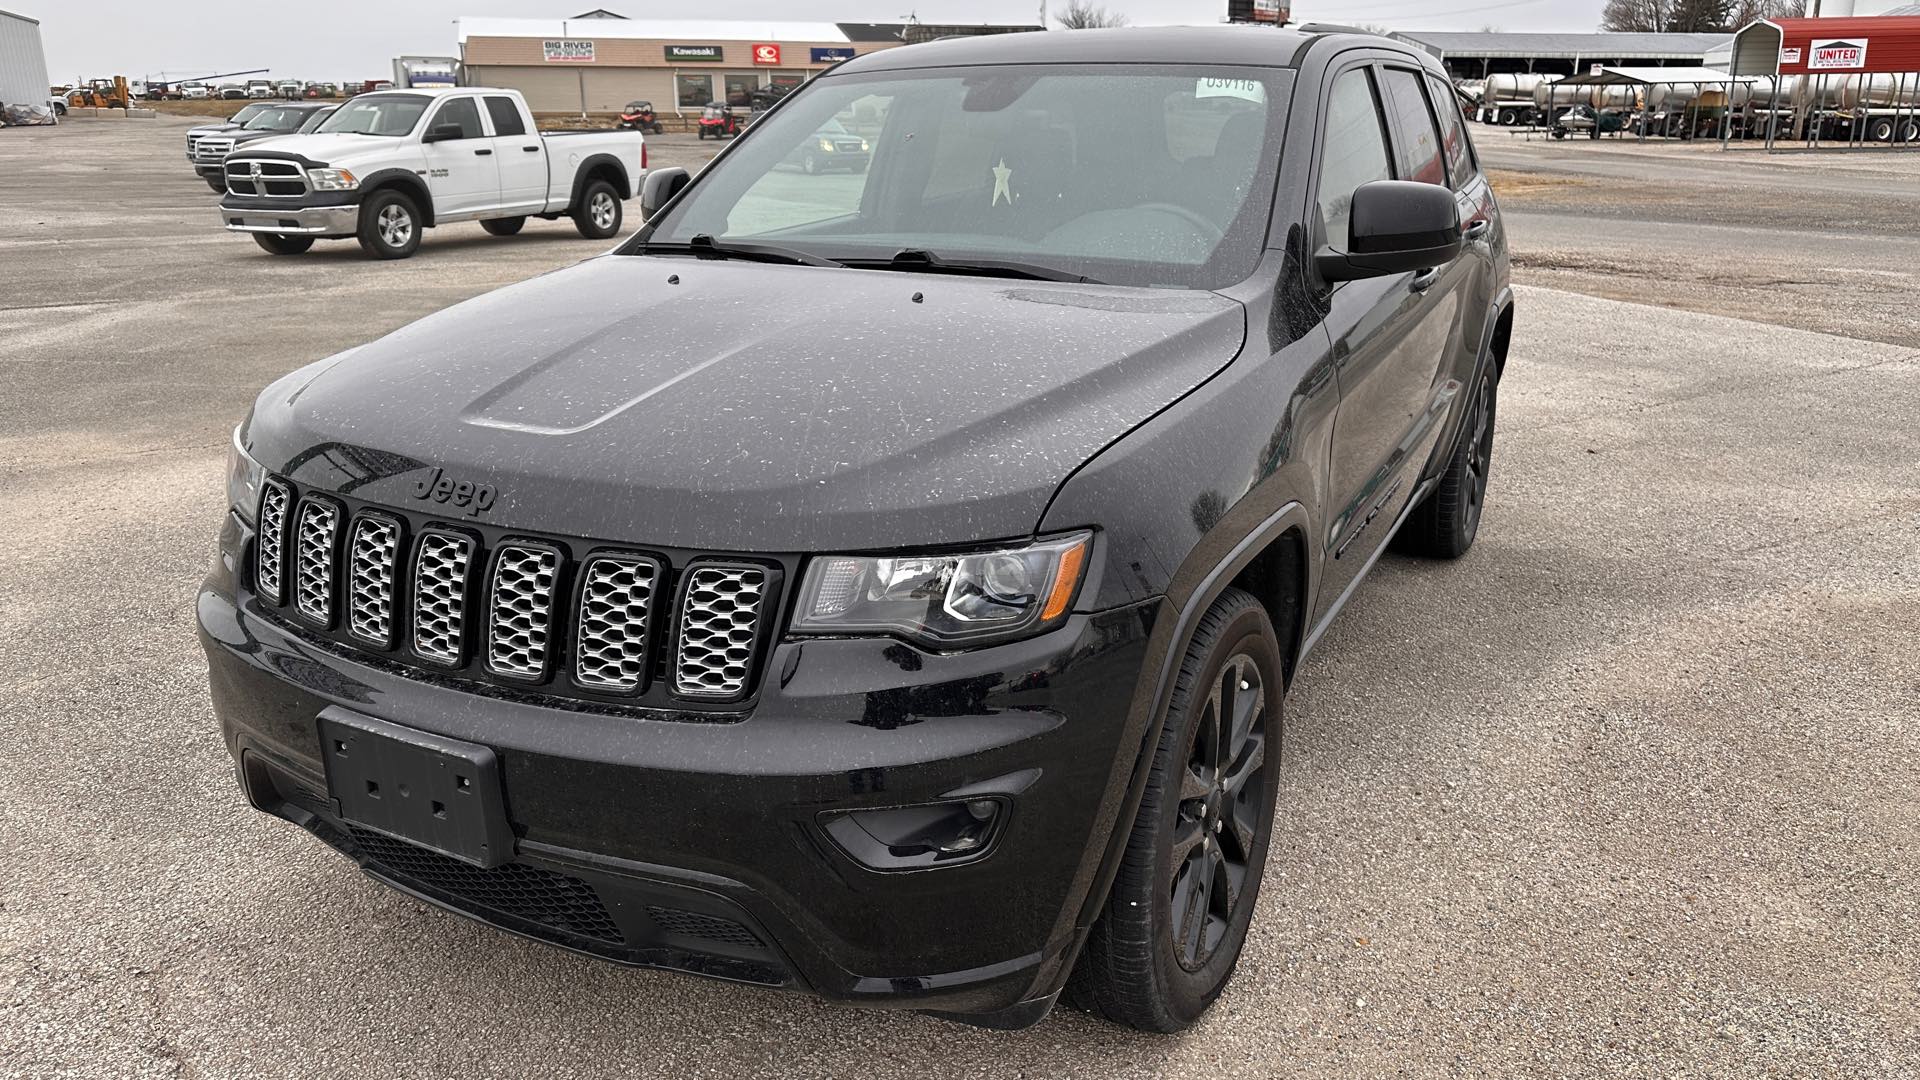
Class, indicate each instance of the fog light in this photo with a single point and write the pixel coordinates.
(917, 837)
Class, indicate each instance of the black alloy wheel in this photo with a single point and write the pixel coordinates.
(1175, 920)
(1219, 822)
(1444, 526)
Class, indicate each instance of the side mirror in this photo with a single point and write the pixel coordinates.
(1397, 227)
(659, 188)
(443, 133)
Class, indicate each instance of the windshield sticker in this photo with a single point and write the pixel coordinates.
(1001, 174)
(1244, 89)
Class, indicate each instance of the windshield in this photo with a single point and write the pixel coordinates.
(1142, 175)
(277, 120)
(382, 114)
(246, 114)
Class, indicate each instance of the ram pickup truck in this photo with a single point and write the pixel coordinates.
(387, 166)
(274, 120)
(920, 639)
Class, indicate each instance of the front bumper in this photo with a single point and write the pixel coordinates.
(704, 842)
(310, 220)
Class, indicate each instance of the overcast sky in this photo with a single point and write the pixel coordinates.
(341, 39)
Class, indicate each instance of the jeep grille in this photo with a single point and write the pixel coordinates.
(526, 614)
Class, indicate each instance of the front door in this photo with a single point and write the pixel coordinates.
(1392, 336)
(462, 173)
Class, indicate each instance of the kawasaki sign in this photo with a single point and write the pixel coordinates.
(695, 54)
(1837, 54)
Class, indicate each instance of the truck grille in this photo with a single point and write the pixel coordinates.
(275, 179)
(515, 611)
(211, 148)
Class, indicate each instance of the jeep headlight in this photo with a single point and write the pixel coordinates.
(332, 179)
(945, 601)
(244, 477)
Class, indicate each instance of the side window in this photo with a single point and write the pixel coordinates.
(460, 111)
(1454, 129)
(1355, 151)
(1414, 133)
(506, 117)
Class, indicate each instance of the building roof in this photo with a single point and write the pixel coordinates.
(17, 15)
(1563, 46)
(1651, 76)
(668, 29)
(873, 31)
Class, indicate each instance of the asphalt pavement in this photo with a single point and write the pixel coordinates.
(1628, 791)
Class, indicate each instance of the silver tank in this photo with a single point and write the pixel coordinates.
(1519, 87)
(1554, 98)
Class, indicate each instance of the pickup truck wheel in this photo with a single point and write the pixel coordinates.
(506, 226)
(389, 226)
(215, 183)
(1444, 526)
(283, 244)
(1171, 931)
(598, 214)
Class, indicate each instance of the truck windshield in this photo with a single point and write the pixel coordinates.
(1136, 175)
(376, 114)
(277, 120)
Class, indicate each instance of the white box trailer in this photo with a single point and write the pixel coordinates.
(23, 63)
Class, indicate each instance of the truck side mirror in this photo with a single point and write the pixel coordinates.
(659, 188)
(1396, 227)
(443, 133)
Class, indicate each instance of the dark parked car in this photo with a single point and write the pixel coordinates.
(919, 639)
(832, 147)
(209, 151)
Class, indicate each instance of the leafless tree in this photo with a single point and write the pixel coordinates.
(1081, 15)
(1751, 11)
(1670, 16)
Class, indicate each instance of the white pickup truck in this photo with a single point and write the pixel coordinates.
(388, 165)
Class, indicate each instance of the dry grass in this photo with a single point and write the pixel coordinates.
(1519, 185)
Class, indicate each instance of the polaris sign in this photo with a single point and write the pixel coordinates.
(1837, 54)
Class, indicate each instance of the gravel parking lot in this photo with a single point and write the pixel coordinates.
(1629, 791)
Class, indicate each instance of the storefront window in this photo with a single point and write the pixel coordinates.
(694, 91)
(786, 84)
(740, 87)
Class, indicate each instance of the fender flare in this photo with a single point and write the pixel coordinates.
(624, 183)
(408, 181)
(1166, 646)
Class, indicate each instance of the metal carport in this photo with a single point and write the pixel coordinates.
(1656, 76)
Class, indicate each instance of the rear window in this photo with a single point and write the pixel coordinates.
(506, 116)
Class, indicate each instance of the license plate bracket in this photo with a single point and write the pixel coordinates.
(443, 794)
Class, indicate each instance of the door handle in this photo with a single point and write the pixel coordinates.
(481, 153)
(1478, 229)
(1424, 280)
(531, 149)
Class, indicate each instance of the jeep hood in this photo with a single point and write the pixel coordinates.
(735, 406)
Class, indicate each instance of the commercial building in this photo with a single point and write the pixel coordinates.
(1476, 56)
(23, 64)
(599, 62)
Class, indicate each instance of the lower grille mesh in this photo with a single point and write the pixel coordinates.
(712, 928)
(525, 892)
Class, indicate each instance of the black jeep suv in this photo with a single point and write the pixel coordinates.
(886, 584)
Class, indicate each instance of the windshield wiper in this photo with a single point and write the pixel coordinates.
(919, 261)
(704, 246)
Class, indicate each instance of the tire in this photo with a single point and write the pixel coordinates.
(1509, 117)
(216, 184)
(659, 128)
(1443, 527)
(1880, 131)
(811, 164)
(1151, 963)
(859, 167)
(1910, 131)
(506, 226)
(598, 213)
(283, 244)
(389, 225)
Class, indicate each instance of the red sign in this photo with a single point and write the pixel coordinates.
(766, 54)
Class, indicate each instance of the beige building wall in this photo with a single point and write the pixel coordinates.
(626, 69)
